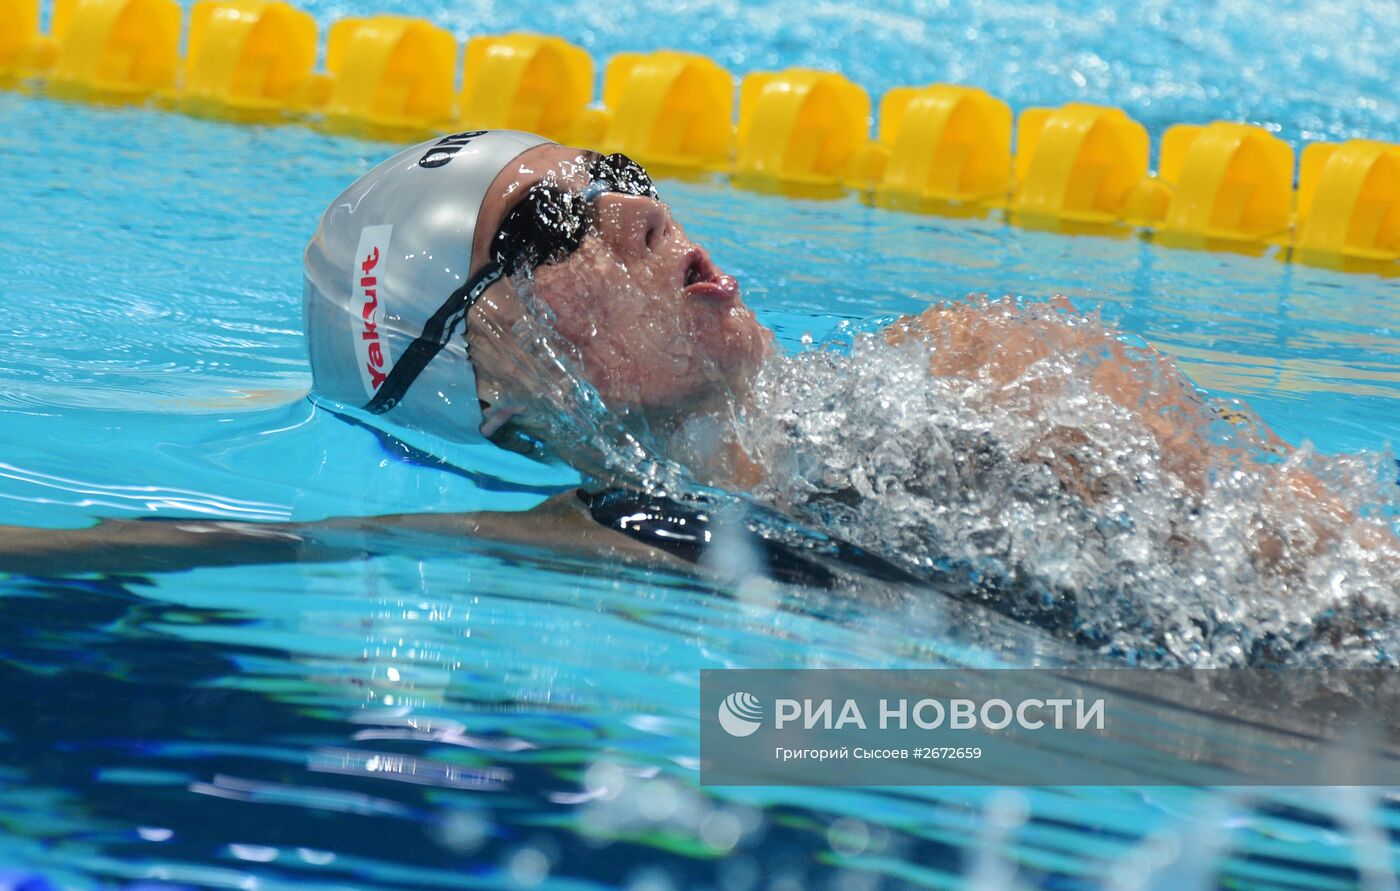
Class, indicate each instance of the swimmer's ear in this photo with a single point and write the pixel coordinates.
(500, 426)
(494, 417)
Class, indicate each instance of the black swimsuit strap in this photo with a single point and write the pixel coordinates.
(683, 529)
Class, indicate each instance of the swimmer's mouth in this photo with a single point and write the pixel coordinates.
(702, 278)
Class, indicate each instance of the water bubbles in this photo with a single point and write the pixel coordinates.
(658, 800)
(1003, 814)
(630, 801)
(528, 865)
(605, 779)
(462, 831)
(848, 836)
(1082, 484)
(721, 830)
(1007, 810)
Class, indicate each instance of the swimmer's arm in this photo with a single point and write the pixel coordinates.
(561, 524)
(968, 342)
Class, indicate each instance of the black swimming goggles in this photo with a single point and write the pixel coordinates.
(545, 226)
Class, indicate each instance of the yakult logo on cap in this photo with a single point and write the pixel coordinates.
(371, 351)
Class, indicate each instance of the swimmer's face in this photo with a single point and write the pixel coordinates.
(657, 326)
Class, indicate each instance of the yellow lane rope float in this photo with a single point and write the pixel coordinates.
(937, 148)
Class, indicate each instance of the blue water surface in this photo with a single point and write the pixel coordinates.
(476, 715)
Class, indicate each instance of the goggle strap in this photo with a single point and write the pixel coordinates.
(437, 333)
(439, 329)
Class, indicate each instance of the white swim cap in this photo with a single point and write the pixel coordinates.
(389, 254)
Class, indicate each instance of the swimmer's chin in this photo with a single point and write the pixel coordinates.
(733, 338)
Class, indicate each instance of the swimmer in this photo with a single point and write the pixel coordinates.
(497, 286)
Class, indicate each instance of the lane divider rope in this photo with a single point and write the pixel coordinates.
(940, 148)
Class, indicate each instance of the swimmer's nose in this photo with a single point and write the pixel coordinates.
(632, 224)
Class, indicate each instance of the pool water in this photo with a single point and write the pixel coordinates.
(467, 714)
